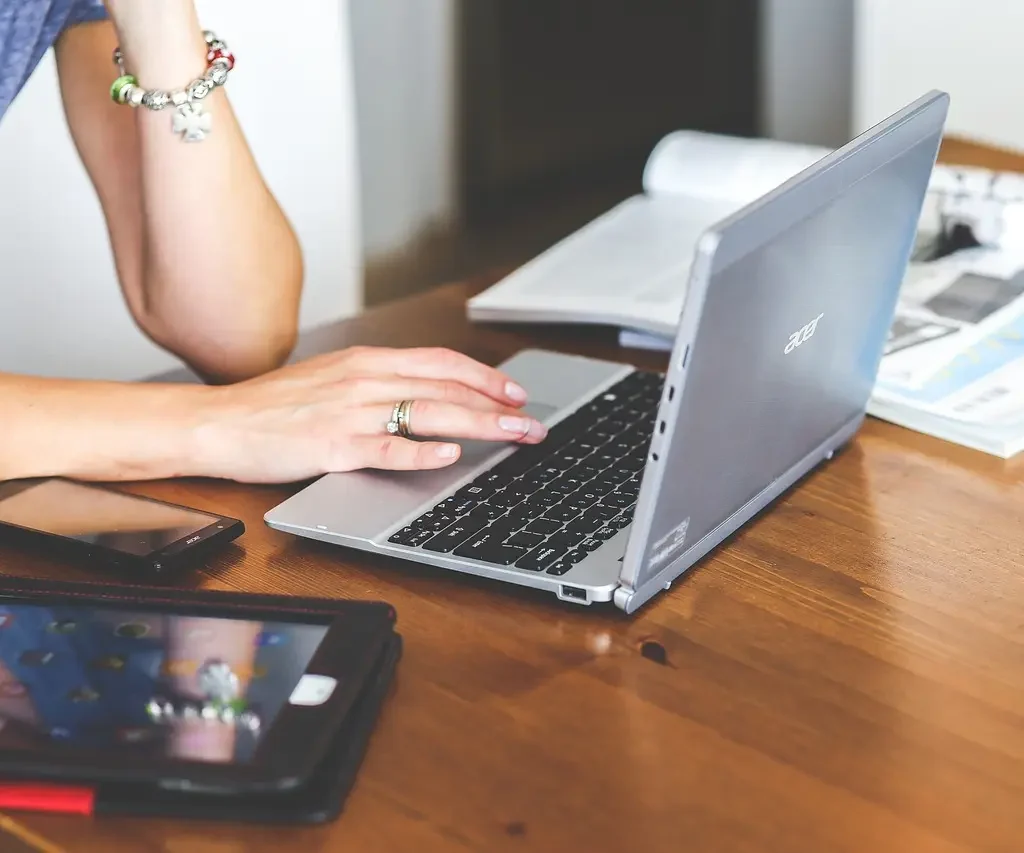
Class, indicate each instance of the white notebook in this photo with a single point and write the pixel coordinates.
(629, 267)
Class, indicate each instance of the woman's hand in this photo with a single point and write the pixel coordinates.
(330, 414)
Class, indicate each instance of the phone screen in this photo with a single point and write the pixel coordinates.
(136, 683)
(102, 517)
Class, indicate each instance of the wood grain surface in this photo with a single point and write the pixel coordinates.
(846, 674)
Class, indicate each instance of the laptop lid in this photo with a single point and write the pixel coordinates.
(788, 310)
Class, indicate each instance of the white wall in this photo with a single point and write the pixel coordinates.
(970, 48)
(60, 308)
(808, 61)
(404, 56)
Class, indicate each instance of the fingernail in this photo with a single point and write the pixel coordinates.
(515, 392)
(448, 451)
(519, 426)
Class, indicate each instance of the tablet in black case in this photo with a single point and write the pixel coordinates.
(319, 801)
(364, 655)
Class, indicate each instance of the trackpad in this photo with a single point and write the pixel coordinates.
(540, 411)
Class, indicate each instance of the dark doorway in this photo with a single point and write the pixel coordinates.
(564, 96)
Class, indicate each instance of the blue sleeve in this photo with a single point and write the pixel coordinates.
(83, 11)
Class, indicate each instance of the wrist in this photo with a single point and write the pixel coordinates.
(161, 42)
(156, 433)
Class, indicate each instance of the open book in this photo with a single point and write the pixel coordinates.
(629, 267)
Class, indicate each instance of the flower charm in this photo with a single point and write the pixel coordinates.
(192, 122)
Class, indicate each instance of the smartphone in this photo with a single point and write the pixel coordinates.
(109, 527)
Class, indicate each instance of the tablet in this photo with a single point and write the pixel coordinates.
(189, 695)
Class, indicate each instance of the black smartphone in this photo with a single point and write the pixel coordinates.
(207, 693)
(109, 527)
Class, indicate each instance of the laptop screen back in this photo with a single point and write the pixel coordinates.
(794, 306)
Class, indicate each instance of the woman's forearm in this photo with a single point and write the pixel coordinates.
(221, 269)
(99, 430)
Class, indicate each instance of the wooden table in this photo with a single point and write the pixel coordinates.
(846, 675)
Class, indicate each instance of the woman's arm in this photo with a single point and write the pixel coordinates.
(328, 413)
(209, 265)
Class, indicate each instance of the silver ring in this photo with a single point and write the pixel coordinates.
(394, 426)
(404, 418)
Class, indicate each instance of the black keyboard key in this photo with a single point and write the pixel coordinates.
(451, 537)
(620, 521)
(476, 491)
(617, 474)
(559, 567)
(507, 498)
(601, 486)
(583, 524)
(506, 526)
(488, 548)
(634, 463)
(602, 512)
(618, 499)
(525, 540)
(411, 536)
(565, 541)
(561, 512)
(542, 500)
(487, 512)
(524, 513)
(605, 533)
(586, 473)
(434, 521)
(582, 499)
(566, 485)
(540, 558)
(447, 506)
(493, 478)
(589, 544)
(574, 557)
(543, 526)
(530, 484)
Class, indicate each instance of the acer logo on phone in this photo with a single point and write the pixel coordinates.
(802, 336)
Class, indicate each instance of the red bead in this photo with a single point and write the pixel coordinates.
(226, 55)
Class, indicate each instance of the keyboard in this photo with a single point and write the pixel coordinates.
(546, 506)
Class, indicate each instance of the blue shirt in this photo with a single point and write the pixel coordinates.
(28, 28)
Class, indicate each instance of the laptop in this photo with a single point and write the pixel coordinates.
(787, 313)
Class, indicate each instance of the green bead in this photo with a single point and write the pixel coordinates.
(118, 87)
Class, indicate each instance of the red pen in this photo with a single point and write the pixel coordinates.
(55, 799)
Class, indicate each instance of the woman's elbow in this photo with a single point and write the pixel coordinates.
(224, 353)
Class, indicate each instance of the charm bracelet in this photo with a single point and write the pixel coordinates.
(190, 119)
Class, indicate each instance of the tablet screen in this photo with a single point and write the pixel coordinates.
(144, 683)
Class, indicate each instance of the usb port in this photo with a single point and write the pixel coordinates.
(574, 592)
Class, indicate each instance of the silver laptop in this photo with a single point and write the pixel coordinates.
(787, 312)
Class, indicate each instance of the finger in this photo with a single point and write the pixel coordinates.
(443, 364)
(399, 454)
(370, 390)
(432, 419)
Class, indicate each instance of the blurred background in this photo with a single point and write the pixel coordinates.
(446, 138)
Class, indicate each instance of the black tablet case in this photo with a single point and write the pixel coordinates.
(323, 796)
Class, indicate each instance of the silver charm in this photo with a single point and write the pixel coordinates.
(199, 88)
(192, 122)
(217, 73)
(156, 100)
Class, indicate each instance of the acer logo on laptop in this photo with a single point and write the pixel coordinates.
(802, 336)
